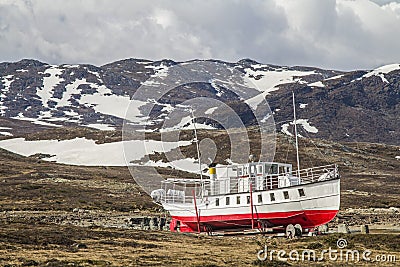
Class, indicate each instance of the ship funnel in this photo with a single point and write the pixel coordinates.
(213, 173)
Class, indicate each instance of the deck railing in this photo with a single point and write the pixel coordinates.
(320, 173)
(184, 190)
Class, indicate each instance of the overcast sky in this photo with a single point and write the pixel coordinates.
(332, 34)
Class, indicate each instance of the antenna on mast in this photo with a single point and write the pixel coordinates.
(295, 133)
(197, 144)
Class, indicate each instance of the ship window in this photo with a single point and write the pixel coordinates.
(301, 192)
(248, 199)
(238, 200)
(274, 169)
(272, 196)
(267, 168)
(286, 194)
(282, 169)
(259, 169)
(260, 198)
(227, 200)
(217, 202)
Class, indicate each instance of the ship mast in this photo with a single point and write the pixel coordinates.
(295, 133)
(197, 145)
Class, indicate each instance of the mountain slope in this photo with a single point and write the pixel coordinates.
(341, 106)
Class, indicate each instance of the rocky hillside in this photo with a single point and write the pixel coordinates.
(361, 106)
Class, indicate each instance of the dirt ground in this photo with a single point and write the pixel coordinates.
(25, 243)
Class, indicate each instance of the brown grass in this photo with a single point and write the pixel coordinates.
(24, 244)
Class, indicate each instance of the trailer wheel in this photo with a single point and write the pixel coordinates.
(298, 230)
(290, 231)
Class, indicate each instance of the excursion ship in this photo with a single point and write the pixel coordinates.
(254, 195)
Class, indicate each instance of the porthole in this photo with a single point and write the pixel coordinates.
(286, 194)
(301, 192)
(272, 196)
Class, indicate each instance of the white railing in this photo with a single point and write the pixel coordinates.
(181, 190)
(318, 174)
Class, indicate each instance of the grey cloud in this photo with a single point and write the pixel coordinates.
(333, 34)
(385, 2)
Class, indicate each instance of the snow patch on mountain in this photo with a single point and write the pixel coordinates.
(6, 81)
(317, 84)
(303, 123)
(37, 121)
(217, 88)
(302, 105)
(306, 125)
(95, 73)
(285, 129)
(70, 90)
(107, 103)
(267, 80)
(71, 66)
(82, 151)
(101, 127)
(381, 71)
(150, 82)
(4, 131)
(49, 83)
(256, 100)
(112, 105)
(71, 113)
(187, 124)
(335, 77)
(159, 71)
(189, 165)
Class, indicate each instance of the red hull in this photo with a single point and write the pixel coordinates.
(306, 218)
